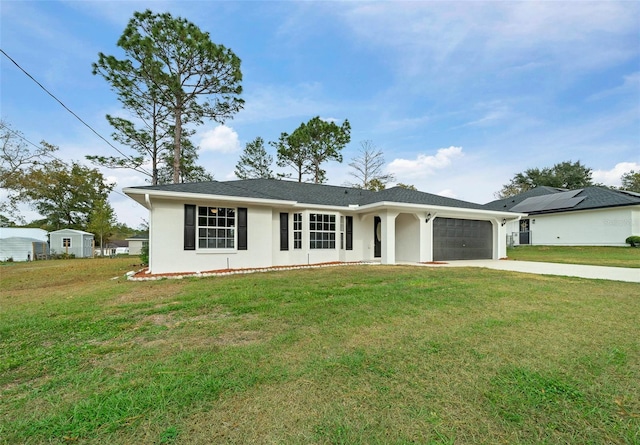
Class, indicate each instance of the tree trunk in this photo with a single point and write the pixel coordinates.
(176, 146)
(154, 154)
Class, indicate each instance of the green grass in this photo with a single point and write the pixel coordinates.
(591, 255)
(343, 355)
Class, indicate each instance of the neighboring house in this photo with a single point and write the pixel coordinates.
(592, 216)
(136, 243)
(23, 244)
(114, 247)
(72, 242)
(265, 222)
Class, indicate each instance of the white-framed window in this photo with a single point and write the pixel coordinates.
(66, 242)
(322, 231)
(297, 230)
(216, 227)
(342, 232)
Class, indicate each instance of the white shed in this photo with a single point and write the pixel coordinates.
(22, 244)
(72, 242)
(136, 243)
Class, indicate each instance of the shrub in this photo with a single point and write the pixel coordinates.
(144, 253)
(634, 241)
(62, 256)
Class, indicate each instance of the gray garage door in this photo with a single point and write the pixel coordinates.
(462, 239)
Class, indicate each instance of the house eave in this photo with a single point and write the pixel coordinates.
(604, 207)
(439, 210)
(143, 197)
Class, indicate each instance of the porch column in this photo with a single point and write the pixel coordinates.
(499, 239)
(388, 229)
(426, 237)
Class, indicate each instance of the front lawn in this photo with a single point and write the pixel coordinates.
(349, 354)
(591, 255)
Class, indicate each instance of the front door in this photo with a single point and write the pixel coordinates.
(377, 237)
(525, 232)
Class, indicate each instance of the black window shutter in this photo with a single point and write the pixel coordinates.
(284, 231)
(189, 227)
(349, 230)
(242, 228)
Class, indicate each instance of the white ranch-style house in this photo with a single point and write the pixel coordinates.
(258, 223)
(592, 216)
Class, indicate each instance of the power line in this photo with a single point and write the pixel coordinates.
(67, 108)
(39, 147)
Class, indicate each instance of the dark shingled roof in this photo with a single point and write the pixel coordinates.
(403, 195)
(594, 198)
(307, 193)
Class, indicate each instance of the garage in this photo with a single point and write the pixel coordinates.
(462, 239)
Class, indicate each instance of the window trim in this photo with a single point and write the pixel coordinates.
(298, 229)
(63, 242)
(229, 224)
(326, 230)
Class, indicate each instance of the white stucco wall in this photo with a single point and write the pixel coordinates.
(166, 241)
(600, 227)
(406, 235)
(306, 255)
(408, 238)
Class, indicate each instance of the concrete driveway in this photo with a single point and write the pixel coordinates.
(571, 270)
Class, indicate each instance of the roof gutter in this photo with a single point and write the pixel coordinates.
(134, 193)
(441, 210)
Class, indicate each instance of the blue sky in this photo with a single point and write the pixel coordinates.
(460, 96)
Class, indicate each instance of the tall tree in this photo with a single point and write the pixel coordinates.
(149, 142)
(368, 168)
(325, 141)
(311, 145)
(254, 161)
(631, 181)
(188, 74)
(63, 194)
(102, 221)
(292, 152)
(190, 171)
(16, 158)
(569, 175)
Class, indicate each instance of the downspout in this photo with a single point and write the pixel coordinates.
(147, 200)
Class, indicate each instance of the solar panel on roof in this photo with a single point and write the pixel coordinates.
(562, 200)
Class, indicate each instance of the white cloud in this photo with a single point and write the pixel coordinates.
(221, 139)
(612, 177)
(493, 113)
(438, 37)
(447, 193)
(424, 164)
(630, 85)
(404, 123)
